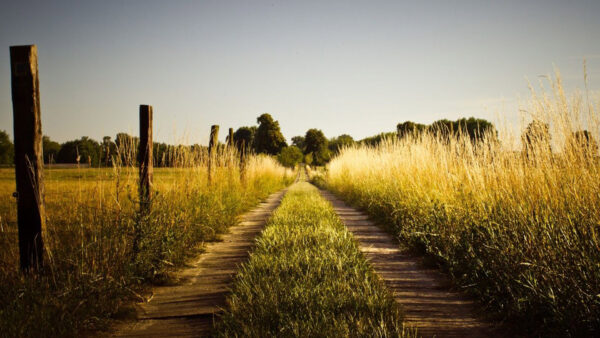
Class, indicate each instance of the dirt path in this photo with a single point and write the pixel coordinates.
(188, 308)
(424, 293)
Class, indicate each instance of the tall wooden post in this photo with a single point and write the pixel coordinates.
(29, 163)
(230, 138)
(212, 144)
(230, 152)
(145, 157)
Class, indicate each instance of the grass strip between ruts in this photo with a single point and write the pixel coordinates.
(307, 277)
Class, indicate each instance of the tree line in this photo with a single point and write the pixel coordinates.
(266, 138)
(86, 150)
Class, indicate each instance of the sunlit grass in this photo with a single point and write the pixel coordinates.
(93, 271)
(307, 278)
(520, 231)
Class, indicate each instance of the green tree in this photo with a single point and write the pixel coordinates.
(298, 141)
(442, 129)
(85, 150)
(109, 149)
(317, 144)
(409, 128)
(342, 141)
(7, 149)
(243, 138)
(160, 154)
(290, 156)
(268, 138)
(477, 129)
(51, 149)
(127, 148)
(315, 140)
(376, 139)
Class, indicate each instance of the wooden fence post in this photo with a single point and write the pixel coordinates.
(230, 138)
(212, 144)
(230, 152)
(145, 157)
(29, 163)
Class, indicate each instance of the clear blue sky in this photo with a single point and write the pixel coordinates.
(356, 67)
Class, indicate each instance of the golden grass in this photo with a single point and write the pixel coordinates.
(93, 269)
(519, 230)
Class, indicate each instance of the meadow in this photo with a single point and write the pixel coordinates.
(102, 253)
(515, 221)
(307, 278)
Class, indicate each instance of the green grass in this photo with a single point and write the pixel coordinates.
(307, 278)
(92, 270)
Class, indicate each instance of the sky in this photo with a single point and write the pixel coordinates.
(353, 67)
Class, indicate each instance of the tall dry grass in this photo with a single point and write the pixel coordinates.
(518, 229)
(93, 268)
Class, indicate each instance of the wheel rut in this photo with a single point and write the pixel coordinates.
(424, 293)
(189, 308)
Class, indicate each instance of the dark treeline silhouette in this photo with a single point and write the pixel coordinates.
(376, 139)
(6, 149)
(86, 150)
(475, 128)
(312, 148)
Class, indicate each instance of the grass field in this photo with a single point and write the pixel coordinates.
(92, 270)
(307, 278)
(521, 231)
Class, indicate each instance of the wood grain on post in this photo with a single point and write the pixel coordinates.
(29, 162)
(212, 145)
(145, 157)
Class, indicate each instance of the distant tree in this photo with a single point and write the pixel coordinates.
(317, 144)
(376, 139)
(7, 149)
(314, 140)
(536, 139)
(127, 148)
(243, 138)
(51, 149)
(342, 141)
(290, 156)
(477, 129)
(442, 129)
(160, 154)
(84, 150)
(268, 138)
(409, 128)
(298, 141)
(582, 143)
(109, 149)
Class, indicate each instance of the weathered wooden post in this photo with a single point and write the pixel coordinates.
(230, 138)
(29, 163)
(212, 144)
(145, 157)
(231, 152)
